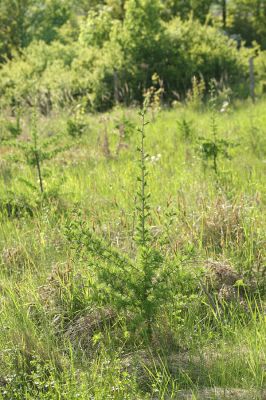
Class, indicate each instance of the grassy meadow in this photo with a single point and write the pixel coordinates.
(71, 328)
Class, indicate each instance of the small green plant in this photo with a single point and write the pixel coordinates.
(76, 126)
(16, 205)
(14, 128)
(213, 148)
(185, 128)
(10, 130)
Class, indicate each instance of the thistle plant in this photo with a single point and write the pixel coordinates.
(153, 95)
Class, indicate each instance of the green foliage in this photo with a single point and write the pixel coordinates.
(251, 14)
(114, 61)
(196, 94)
(14, 128)
(142, 24)
(17, 205)
(76, 322)
(211, 149)
(22, 21)
(184, 9)
(96, 30)
(39, 76)
(185, 128)
(201, 51)
(142, 44)
(11, 129)
(76, 126)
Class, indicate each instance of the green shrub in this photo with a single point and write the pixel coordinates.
(201, 51)
(120, 61)
(39, 75)
(17, 205)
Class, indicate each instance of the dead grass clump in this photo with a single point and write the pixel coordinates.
(222, 224)
(221, 394)
(81, 331)
(221, 279)
(58, 278)
(15, 260)
(221, 274)
(53, 294)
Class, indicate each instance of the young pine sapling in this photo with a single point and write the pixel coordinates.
(38, 150)
(132, 285)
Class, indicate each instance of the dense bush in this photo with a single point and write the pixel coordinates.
(116, 61)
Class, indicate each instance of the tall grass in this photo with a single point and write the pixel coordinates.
(63, 335)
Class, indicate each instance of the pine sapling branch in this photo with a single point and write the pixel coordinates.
(144, 209)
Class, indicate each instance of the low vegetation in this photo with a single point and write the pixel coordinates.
(132, 199)
(138, 272)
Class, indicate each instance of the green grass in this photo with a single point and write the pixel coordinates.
(57, 342)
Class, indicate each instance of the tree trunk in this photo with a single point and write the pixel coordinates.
(252, 79)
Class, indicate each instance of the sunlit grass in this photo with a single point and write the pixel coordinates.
(199, 342)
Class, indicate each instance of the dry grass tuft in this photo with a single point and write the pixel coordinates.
(223, 280)
(222, 223)
(221, 394)
(222, 274)
(82, 330)
(15, 259)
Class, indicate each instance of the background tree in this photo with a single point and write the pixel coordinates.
(22, 21)
(97, 27)
(184, 8)
(248, 19)
(116, 7)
